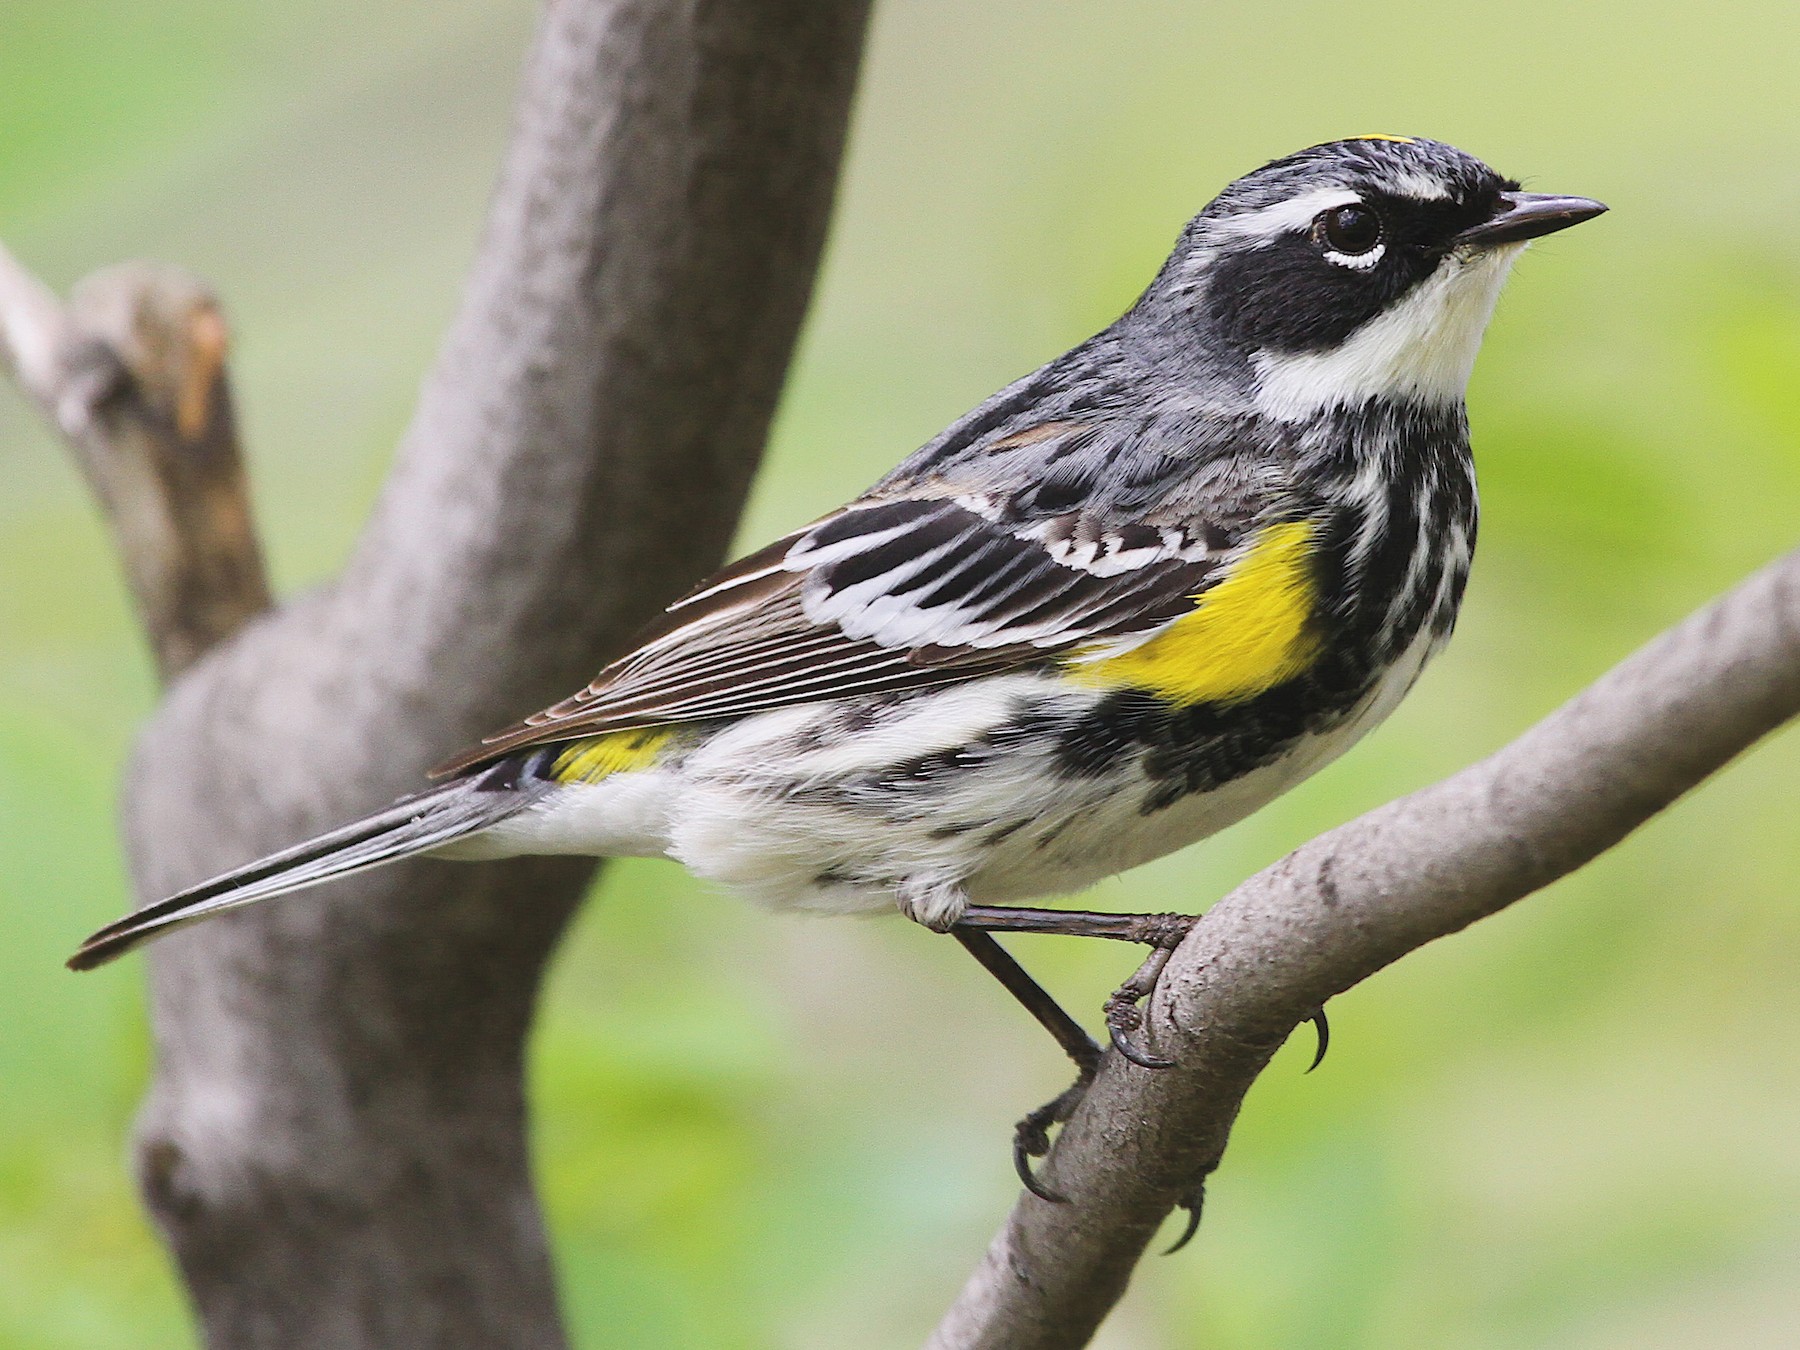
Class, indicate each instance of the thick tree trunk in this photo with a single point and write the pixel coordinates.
(334, 1142)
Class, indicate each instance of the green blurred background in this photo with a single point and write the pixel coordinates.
(1574, 1126)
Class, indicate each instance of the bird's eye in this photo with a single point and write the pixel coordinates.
(1350, 230)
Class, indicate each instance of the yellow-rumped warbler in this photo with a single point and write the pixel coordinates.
(1119, 606)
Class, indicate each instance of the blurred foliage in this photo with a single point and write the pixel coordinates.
(1572, 1126)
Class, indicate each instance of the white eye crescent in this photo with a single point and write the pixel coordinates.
(1360, 261)
(1350, 235)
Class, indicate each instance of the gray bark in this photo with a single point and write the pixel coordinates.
(333, 1145)
(132, 372)
(1340, 908)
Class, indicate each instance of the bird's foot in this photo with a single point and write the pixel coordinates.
(1031, 1136)
(1124, 1006)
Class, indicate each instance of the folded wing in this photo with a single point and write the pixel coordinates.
(888, 594)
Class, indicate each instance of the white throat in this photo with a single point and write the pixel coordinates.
(1423, 349)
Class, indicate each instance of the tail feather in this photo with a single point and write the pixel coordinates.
(410, 826)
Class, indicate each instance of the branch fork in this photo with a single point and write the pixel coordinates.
(334, 1144)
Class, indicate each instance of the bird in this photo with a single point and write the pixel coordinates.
(1120, 605)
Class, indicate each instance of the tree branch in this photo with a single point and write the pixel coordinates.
(333, 1144)
(132, 372)
(1340, 908)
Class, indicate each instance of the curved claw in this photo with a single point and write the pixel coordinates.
(1125, 1015)
(1031, 1138)
(1126, 1047)
(1323, 1027)
(1029, 1179)
(1195, 1201)
(1193, 1226)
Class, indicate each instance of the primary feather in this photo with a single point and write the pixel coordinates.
(413, 825)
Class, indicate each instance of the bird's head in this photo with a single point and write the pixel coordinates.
(1355, 270)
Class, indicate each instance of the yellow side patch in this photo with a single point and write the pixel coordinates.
(1381, 136)
(591, 760)
(1246, 634)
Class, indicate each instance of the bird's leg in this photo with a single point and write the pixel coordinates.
(1162, 933)
(1153, 930)
(1124, 1014)
(1031, 1136)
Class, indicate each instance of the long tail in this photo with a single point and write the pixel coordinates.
(412, 825)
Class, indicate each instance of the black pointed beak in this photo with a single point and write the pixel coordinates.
(1526, 215)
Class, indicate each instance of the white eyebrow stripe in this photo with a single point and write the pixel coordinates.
(1296, 213)
(1419, 186)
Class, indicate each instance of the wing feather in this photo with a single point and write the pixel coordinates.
(887, 594)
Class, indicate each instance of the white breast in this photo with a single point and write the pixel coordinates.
(1112, 835)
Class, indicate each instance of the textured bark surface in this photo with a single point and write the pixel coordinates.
(132, 372)
(334, 1143)
(1337, 910)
